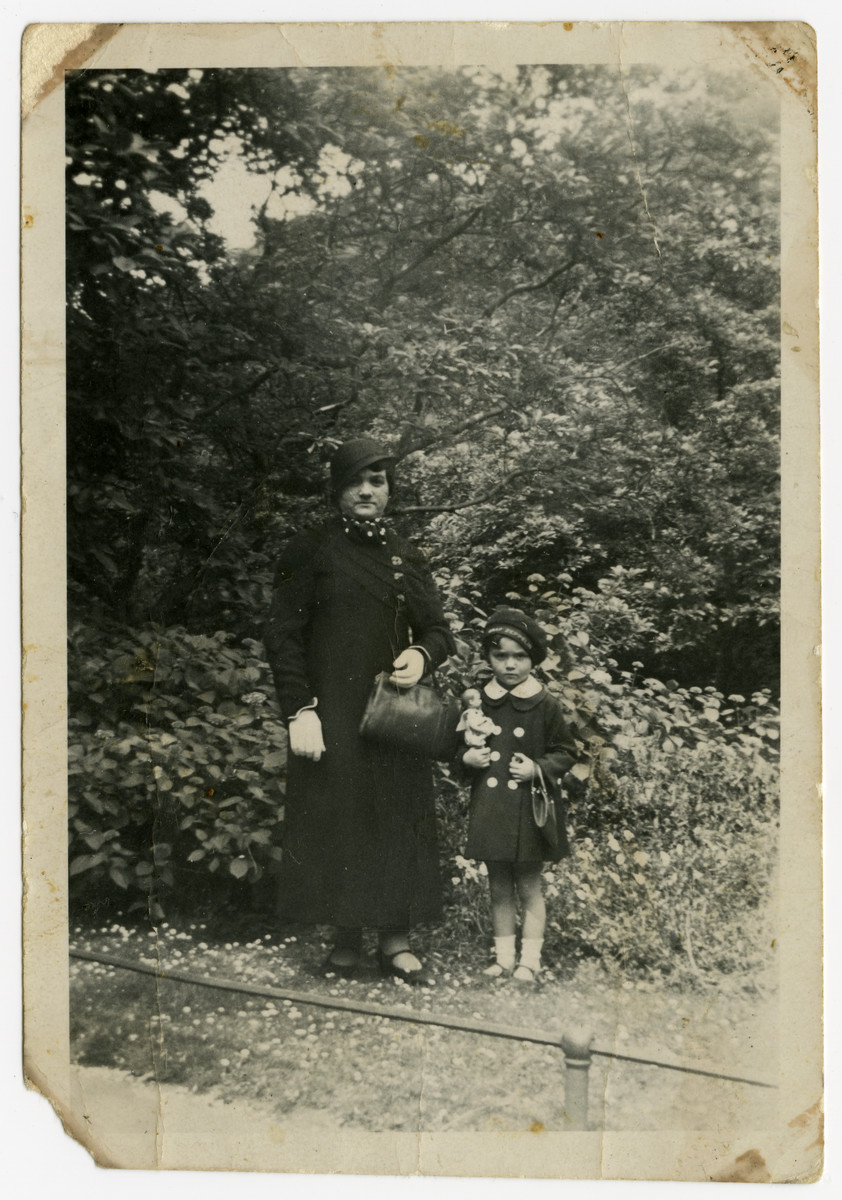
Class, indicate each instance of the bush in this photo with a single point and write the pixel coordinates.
(176, 765)
(673, 867)
(177, 770)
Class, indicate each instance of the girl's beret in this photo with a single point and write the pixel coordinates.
(514, 624)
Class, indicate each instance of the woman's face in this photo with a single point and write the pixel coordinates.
(509, 662)
(366, 496)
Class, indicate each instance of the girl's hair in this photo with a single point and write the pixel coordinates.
(388, 470)
(491, 641)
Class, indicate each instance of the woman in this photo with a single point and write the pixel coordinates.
(353, 599)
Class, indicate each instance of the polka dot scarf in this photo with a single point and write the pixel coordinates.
(367, 532)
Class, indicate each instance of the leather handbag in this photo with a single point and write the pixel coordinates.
(544, 812)
(417, 720)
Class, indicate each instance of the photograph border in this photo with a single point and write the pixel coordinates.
(44, 617)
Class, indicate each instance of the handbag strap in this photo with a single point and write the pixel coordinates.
(434, 679)
(541, 782)
(383, 677)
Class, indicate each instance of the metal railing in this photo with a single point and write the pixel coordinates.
(576, 1045)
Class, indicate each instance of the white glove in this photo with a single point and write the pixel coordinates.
(305, 735)
(408, 668)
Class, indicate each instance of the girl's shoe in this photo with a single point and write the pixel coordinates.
(496, 971)
(416, 978)
(525, 974)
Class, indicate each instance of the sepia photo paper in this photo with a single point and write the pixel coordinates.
(548, 293)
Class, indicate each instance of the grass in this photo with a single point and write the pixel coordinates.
(371, 1073)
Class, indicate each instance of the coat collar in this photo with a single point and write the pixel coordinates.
(523, 691)
(525, 696)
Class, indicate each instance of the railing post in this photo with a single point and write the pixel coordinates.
(577, 1061)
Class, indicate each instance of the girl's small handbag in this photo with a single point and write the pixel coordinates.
(544, 812)
(417, 720)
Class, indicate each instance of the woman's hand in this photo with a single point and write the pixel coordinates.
(305, 735)
(478, 757)
(521, 768)
(408, 668)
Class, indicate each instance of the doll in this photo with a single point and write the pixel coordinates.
(473, 722)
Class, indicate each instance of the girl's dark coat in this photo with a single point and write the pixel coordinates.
(500, 826)
(359, 831)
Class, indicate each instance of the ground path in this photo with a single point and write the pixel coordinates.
(279, 1071)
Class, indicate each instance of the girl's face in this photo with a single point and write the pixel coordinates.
(366, 496)
(509, 662)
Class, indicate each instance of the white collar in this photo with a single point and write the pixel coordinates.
(529, 687)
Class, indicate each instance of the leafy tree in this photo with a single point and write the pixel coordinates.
(555, 292)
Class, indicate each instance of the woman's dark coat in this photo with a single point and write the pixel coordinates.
(359, 831)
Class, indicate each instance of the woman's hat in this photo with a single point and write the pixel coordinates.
(514, 624)
(354, 456)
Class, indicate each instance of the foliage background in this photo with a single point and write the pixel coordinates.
(554, 291)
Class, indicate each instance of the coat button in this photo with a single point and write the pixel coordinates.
(518, 732)
(491, 781)
(401, 597)
(495, 755)
(513, 785)
(496, 729)
(397, 561)
(398, 574)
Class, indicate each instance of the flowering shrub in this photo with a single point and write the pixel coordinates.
(177, 767)
(674, 865)
(176, 754)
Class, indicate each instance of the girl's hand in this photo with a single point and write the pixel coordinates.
(478, 757)
(408, 668)
(521, 768)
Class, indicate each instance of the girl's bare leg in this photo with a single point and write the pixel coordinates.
(501, 882)
(531, 893)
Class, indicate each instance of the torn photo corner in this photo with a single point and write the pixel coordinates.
(566, 276)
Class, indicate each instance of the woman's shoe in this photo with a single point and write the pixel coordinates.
(416, 978)
(344, 970)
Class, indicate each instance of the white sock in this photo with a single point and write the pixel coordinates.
(504, 950)
(530, 953)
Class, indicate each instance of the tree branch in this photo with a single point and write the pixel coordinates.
(432, 439)
(428, 251)
(528, 287)
(485, 499)
(251, 386)
(648, 354)
(549, 328)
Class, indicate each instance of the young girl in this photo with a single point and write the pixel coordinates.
(529, 735)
